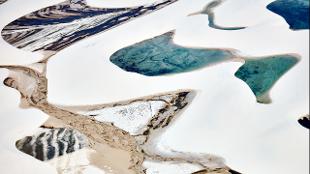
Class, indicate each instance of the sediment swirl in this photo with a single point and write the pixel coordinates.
(56, 27)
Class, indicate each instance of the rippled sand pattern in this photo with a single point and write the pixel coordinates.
(128, 136)
(52, 143)
(53, 28)
(102, 132)
(2, 1)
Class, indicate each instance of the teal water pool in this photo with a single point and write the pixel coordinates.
(261, 74)
(160, 56)
(295, 12)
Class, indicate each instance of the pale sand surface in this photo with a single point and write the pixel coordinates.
(248, 127)
(111, 159)
(257, 146)
(15, 124)
(113, 141)
(118, 3)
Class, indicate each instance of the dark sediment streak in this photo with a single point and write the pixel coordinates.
(305, 121)
(59, 26)
(108, 134)
(208, 10)
(2, 1)
(211, 17)
(44, 144)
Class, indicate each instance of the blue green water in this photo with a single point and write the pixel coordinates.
(261, 74)
(295, 12)
(160, 56)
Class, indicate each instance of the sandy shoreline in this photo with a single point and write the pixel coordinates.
(223, 119)
(112, 145)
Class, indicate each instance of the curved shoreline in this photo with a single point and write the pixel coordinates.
(56, 27)
(295, 13)
(208, 10)
(100, 132)
(160, 56)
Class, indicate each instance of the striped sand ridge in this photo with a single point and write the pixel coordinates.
(48, 144)
(53, 28)
(2, 1)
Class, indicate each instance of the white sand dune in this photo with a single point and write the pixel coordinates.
(245, 13)
(10, 11)
(15, 124)
(118, 3)
(224, 119)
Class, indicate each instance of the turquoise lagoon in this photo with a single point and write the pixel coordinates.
(160, 56)
(295, 12)
(261, 74)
